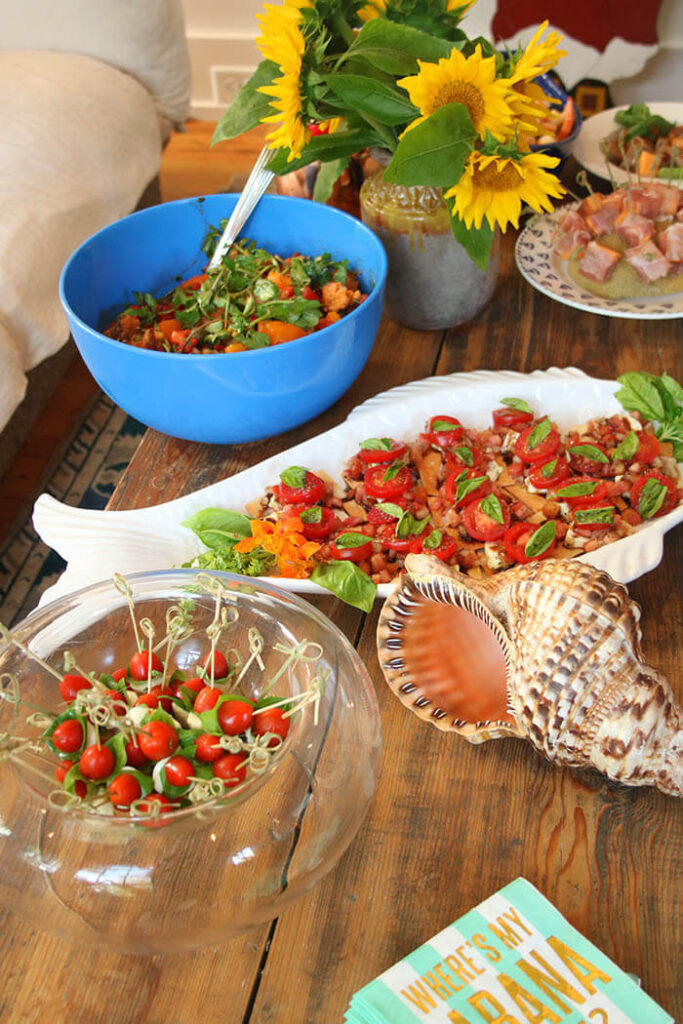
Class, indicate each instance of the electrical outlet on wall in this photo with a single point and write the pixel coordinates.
(227, 80)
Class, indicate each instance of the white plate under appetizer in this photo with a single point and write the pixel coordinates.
(587, 150)
(96, 544)
(544, 269)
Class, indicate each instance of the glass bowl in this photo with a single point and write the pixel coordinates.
(210, 870)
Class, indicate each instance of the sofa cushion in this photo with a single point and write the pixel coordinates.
(145, 38)
(79, 141)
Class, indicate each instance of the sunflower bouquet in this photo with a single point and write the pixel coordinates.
(339, 76)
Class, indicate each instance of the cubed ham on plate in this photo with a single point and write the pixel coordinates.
(670, 241)
(645, 201)
(649, 261)
(633, 227)
(598, 262)
(571, 234)
(669, 199)
(600, 212)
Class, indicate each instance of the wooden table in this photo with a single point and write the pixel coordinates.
(450, 823)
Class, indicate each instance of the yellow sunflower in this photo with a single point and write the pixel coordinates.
(467, 80)
(460, 5)
(529, 105)
(282, 42)
(281, 39)
(538, 57)
(374, 9)
(291, 132)
(495, 187)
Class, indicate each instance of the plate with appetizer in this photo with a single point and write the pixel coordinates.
(484, 470)
(641, 142)
(619, 254)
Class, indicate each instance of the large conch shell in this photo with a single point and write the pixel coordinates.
(548, 651)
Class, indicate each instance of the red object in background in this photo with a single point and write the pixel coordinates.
(591, 23)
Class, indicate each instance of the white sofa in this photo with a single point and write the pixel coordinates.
(90, 91)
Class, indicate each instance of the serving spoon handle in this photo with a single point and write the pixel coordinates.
(257, 183)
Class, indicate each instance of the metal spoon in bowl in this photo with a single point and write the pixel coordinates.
(257, 183)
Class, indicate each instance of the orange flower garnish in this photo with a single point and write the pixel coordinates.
(284, 538)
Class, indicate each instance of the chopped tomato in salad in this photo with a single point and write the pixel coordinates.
(252, 300)
(480, 500)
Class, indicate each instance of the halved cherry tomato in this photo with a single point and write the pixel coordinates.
(670, 498)
(63, 769)
(270, 720)
(380, 516)
(70, 685)
(553, 475)
(450, 488)
(309, 293)
(318, 531)
(648, 447)
(371, 456)
(583, 463)
(586, 528)
(597, 492)
(139, 665)
(448, 432)
(352, 554)
(516, 539)
(310, 494)
(387, 536)
(482, 526)
(279, 331)
(97, 762)
(510, 419)
(386, 489)
(124, 789)
(542, 451)
(157, 739)
(444, 550)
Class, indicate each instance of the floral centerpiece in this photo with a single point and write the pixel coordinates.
(339, 76)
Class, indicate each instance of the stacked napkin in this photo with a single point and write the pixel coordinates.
(513, 959)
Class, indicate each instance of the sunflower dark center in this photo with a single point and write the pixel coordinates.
(465, 93)
(496, 179)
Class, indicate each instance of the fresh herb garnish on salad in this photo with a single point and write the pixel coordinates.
(659, 399)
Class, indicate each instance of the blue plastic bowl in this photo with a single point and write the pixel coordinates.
(231, 397)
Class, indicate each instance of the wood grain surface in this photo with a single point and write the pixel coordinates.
(450, 823)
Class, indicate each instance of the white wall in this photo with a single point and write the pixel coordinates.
(223, 54)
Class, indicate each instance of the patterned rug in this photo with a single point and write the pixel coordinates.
(101, 447)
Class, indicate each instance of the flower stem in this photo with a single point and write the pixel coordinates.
(342, 27)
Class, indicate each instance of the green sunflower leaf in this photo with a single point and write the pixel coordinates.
(249, 106)
(396, 48)
(434, 152)
(373, 99)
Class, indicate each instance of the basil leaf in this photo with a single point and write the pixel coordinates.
(294, 476)
(441, 426)
(627, 448)
(312, 515)
(377, 444)
(117, 745)
(589, 451)
(516, 403)
(465, 455)
(466, 487)
(548, 468)
(218, 528)
(541, 539)
(672, 386)
(651, 498)
(579, 490)
(491, 506)
(539, 433)
(351, 540)
(64, 717)
(394, 469)
(390, 509)
(594, 515)
(409, 526)
(433, 540)
(639, 393)
(348, 582)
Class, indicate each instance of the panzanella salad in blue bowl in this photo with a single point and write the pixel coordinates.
(267, 340)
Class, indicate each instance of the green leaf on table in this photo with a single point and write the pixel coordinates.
(370, 98)
(348, 582)
(219, 528)
(249, 106)
(395, 48)
(435, 151)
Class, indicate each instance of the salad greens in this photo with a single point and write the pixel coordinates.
(641, 121)
(220, 529)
